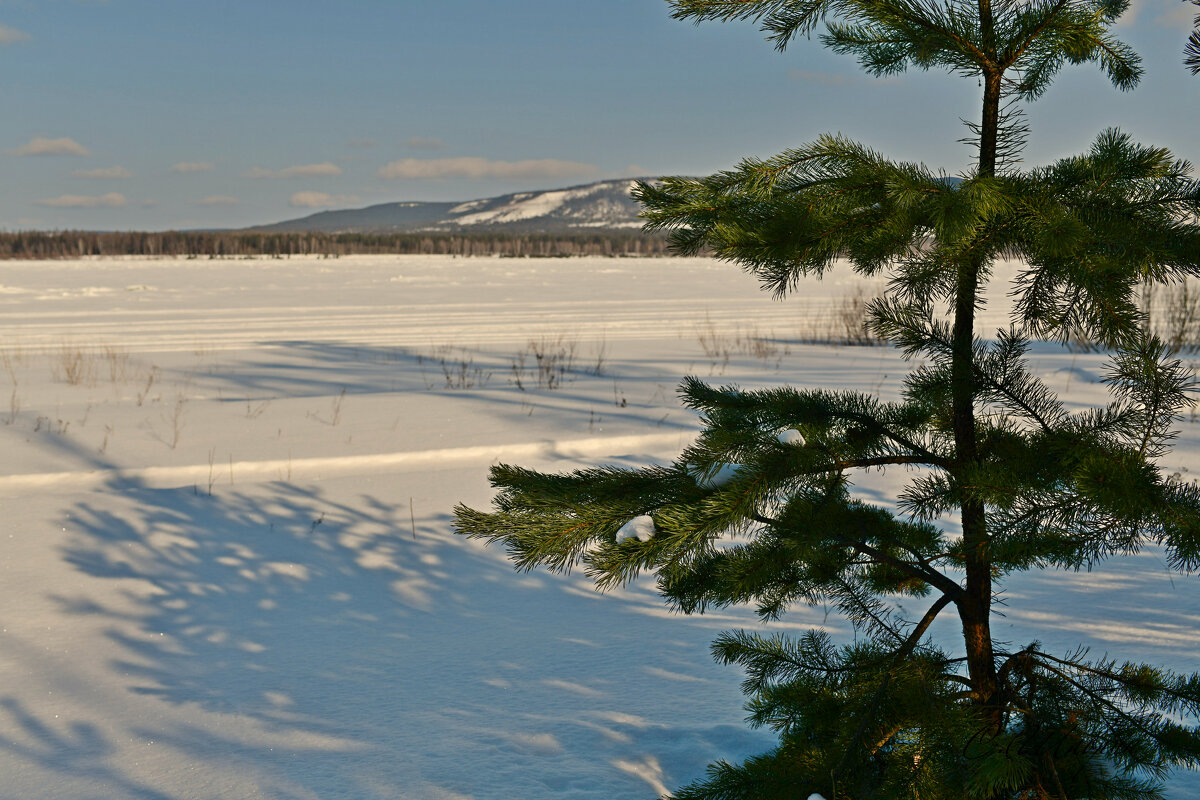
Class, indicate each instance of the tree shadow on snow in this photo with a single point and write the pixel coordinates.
(360, 657)
(296, 369)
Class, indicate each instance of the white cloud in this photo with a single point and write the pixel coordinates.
(301, 171)
(110, 172)
(191, 166)
(41, 146)
(467, 167)
(1178, 15)
(1168, 13)
(110, 200)
(219, 200)
(320, 200)
(12, 35)
(423, 143)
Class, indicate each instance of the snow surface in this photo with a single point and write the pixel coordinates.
(225, 505)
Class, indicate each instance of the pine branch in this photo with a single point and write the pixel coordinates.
(922, 571)
(867, 463)
(918, 631)
(1018, 46)
(1192, 51)
(1022, 392)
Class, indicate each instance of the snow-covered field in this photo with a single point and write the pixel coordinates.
(226, 566)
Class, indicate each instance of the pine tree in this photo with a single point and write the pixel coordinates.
(759, 509)
(1192, 51)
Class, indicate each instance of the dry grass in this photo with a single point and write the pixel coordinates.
(1173, 313)
(458, 367)
(13, 359)
(77, 365)
(845, 324)
(175, 418)
(74, 365)
(551, 361)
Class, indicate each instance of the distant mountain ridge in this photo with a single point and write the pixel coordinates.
(600, 206)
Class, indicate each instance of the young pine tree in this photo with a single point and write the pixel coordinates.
(759, 510)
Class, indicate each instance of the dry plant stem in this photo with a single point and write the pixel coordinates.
(141, 397)
(1181, 324)
(850, 320)
(619, 397)
(601, 351)
(720, 346)
(175, 418)
(11, 359)
(458, 368)
(554, 359)
(551, 360)
(74, 365)
(118, 363)
(255, 411)
(336, 415)
(518, 369)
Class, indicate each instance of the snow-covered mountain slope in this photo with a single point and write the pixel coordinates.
(605, 205)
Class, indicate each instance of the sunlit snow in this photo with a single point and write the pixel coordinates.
(790, 436)
(640, 528)
(227, 566)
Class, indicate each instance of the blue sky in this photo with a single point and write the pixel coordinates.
(155, 114)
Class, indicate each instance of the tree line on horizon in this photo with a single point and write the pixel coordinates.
(215, 244)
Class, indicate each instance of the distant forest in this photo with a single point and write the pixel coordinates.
(75, 244)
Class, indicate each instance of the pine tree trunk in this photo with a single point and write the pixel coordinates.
(974, 607)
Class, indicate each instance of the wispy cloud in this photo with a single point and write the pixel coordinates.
(12, 35)
(301, 171)
(1177, 15)
(219, 200)
(320, 200)
(110, 200)
(423, 143)
(110, 172)
(1168, 13)
(468, 167)
(191, 166)
(41, 146)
